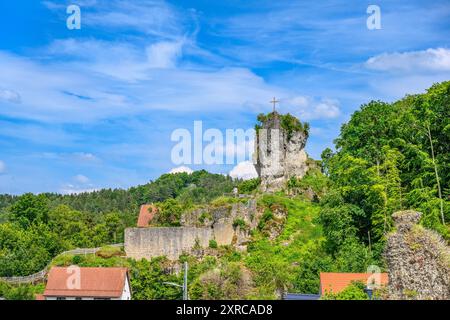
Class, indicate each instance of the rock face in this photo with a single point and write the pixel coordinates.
(279, 154)
(418, 260)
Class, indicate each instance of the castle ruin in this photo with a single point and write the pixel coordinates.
(418, 260)
(199, 228)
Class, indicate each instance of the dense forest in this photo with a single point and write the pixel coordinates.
(35, 228)
(388, 157)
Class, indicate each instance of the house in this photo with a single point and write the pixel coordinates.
(334, 282)
(146, 214)
(76, 283)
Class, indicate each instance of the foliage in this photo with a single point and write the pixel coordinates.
(110, 251)
(219, 284)
(294, 259)
(239, 222)
(314, 180)
(20, 292)
(147, 280)
(29, 209)
(169, 213)
(388, 157)
(248, 186)
(288, 122)
(355, 291)
(213, 244)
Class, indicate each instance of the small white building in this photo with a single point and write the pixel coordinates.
(77, 283)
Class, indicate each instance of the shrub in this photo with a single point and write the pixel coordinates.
(239, 222)
(213, 244)
(77, 260)
(354, 291)
(248, 186)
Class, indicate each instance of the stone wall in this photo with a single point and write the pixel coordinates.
(173, 241)
(418, 260)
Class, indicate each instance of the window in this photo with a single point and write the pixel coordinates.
(60, 298)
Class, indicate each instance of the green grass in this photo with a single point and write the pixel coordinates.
(224, 201)
(89, 260)
(293, 259)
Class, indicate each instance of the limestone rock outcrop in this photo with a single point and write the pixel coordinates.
(279, 153)
(418, 260)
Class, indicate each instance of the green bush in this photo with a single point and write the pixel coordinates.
(355, 291)
(239, 222)
(213, 244)
(248, 186)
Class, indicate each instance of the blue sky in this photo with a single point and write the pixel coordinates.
(93, 108)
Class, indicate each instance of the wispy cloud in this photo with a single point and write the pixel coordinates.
(103, 100)
(308, 108)
(9, 96)
(155, 18)
(81, 179)
(412, 62)
(2, 167)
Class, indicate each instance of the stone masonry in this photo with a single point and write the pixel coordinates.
(418, 261)
(195, 232)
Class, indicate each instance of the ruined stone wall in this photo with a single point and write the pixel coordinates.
(173, 241)
(418, 260)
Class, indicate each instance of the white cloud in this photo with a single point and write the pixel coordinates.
(244, 170)
(412, 61)
(164, 54)
(81, 179)
(71, 189)
(85, 156)
(181, 169)
(154, 17)
(82, 185)
(307, 108)
(114, 81)
(2, 167)
(9, 96)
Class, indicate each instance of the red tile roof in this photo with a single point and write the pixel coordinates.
(336, 282)
(146, 215)
(94, 282)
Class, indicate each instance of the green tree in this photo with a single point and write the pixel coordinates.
(29, 209)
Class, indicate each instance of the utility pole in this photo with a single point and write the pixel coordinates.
(184, 287)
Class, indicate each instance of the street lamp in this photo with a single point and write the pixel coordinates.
(184, 286)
